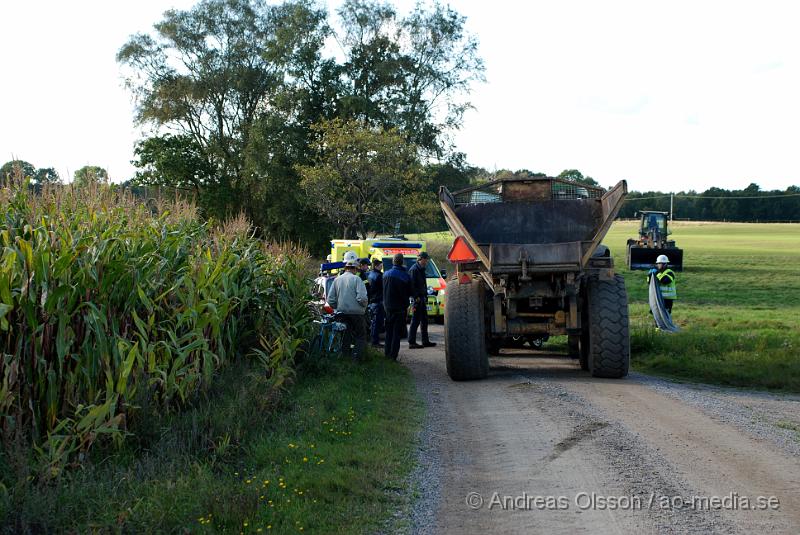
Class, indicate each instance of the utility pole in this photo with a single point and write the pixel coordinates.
(671, 196)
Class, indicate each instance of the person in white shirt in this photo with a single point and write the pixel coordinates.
(348, 297)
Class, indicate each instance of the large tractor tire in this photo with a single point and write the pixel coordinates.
(609, 351)
(465, 332)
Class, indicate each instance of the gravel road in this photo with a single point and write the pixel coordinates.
(542, 447)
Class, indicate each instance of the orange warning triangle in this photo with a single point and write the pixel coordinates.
(461, 252)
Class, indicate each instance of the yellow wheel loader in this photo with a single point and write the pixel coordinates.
(653, 241)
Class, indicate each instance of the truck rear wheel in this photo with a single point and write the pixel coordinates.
(465, 332)
(609, 351)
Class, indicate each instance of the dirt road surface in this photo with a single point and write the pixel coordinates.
(542, 447)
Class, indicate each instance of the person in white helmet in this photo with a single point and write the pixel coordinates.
(348, 297)
(666, 279)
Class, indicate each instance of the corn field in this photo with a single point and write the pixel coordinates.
(105, 298)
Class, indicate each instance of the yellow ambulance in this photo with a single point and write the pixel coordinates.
(384, 248)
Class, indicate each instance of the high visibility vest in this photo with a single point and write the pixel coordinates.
(668, 291)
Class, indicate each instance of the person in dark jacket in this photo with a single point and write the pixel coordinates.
(363, 269)
(375, 294)
(396, 293)
(419, 291)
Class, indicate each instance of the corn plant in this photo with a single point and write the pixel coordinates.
(103, 294)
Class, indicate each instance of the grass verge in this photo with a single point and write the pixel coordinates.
(719, 345)
(738, 304)
(331, 456)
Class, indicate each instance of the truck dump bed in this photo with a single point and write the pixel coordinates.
(532, 224)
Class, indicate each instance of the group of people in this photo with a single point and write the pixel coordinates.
(363, 285)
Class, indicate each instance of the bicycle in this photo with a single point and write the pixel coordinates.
(328, 341)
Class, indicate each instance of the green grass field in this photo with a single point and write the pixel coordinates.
(738, 304)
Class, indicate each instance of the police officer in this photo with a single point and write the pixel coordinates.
(419, 291)
(396, 293)
(666, 280)
(375, 294)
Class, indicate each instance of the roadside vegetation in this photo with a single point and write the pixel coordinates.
(738, 304)
(331, 455)
(113, 309)
(152, 377)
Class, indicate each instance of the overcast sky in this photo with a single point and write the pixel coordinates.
(667, 95)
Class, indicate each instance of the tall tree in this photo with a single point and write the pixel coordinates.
(90, 174)
(172, 160)
(281, 134)
(16, 169)
(412, 73)
(46, 175)
(209, 71)
(364, 179)
(246, 81)
(573, 175)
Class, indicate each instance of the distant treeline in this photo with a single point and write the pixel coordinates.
(715, 204)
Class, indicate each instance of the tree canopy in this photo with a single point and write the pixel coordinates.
(16, 168)
(410, 73)
(573, 175)
(234, 89)
(364, 179)
(172, 160)
(46, 175)
(22, 169)
(90, 174)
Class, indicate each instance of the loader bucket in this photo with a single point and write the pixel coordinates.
(644, 258)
